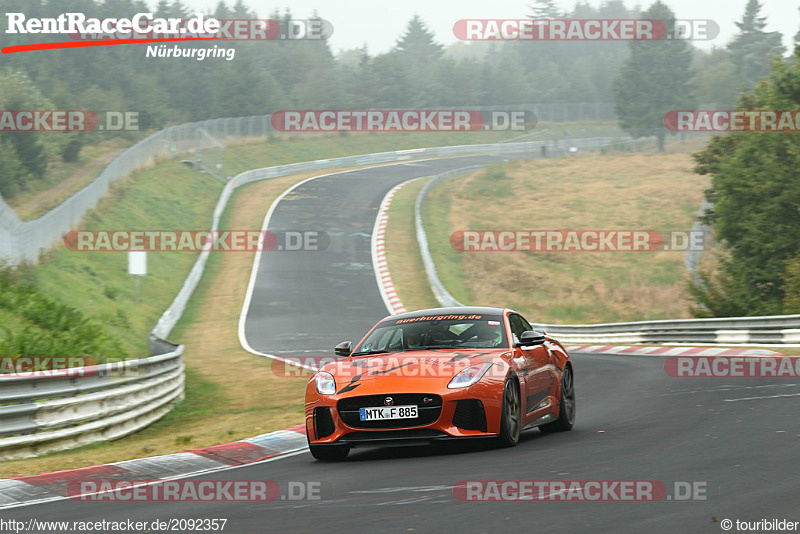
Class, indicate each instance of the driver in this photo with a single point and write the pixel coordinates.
(486, 333)
(413, 337)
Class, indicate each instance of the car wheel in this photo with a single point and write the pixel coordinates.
(566, 417)
(510, 416)
(329, 453)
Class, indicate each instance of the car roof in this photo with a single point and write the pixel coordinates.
(453, 310)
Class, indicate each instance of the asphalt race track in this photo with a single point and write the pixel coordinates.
(304, 302)
(634, 423)
(738, 437)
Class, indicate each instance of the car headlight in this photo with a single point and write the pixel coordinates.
(469, 376)
(326, 385)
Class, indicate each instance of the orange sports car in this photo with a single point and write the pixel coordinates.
(443, 373)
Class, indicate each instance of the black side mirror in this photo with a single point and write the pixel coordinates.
(343, 349)
(530, 338)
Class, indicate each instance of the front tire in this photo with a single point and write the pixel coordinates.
(511, 415)
(566, 416)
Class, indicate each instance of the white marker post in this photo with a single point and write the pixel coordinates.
(137, 266)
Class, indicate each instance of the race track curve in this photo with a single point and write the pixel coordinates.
(738, 437)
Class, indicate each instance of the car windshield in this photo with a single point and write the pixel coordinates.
(430, 332)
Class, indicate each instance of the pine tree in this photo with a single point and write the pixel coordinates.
(752, 47)
(654, 80)
(241, 11)
(418, 42)
(222, 11)
(545, 9)
(755, 190)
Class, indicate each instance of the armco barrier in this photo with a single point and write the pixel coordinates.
(769, 330)
(766, 330)
(68, 408)
(24, 241)
(529, 149)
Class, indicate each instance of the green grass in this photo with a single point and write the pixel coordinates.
(169, 196)
(402, 250)
(213, 265)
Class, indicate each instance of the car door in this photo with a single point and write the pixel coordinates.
(537, 367)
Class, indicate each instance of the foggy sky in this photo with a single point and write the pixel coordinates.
(378, 23)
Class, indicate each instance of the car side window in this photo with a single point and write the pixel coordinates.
(518, 326)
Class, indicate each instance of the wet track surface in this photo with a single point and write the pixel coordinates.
(738, 436)
(634, 423)
(304, 302)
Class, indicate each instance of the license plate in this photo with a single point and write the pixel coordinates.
(388, 412)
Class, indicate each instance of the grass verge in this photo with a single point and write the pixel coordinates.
(402, 251)
(230, 393)
(647, 191)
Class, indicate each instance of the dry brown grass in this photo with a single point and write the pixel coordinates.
(648, 191)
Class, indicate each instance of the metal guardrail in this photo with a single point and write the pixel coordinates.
(439, 291)
(49, 411)
(769, 330)
(744, 336)
(531, 148)
(24, 241)
(777, 329)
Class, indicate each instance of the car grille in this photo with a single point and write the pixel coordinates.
(427, 412)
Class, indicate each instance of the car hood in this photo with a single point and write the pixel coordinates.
(430, 363)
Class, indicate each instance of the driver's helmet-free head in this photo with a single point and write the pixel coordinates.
(413, 337)
(488, 333)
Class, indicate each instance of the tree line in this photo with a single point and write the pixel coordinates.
(268, 76)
